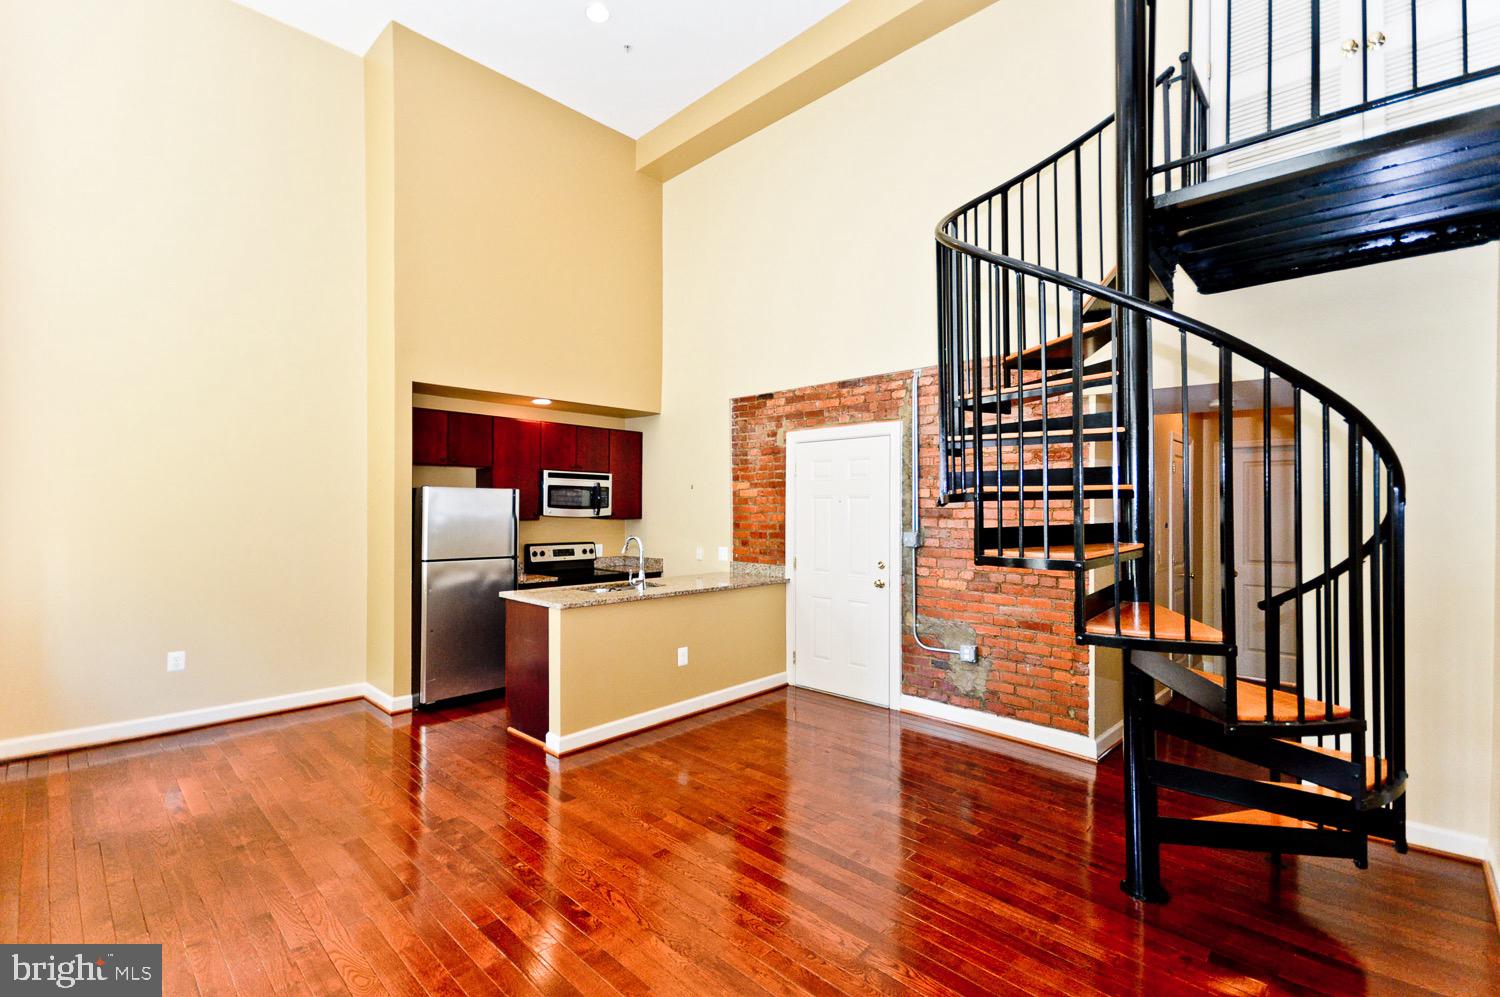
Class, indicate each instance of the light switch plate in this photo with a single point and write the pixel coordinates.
(700, 552)
(681, 656)
(176, 661)
(724, 553)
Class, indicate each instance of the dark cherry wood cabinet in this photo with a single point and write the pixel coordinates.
(470, 438)
(429, 436)
(512, 453)
(593, 449)
(625, 467)
(517, 463)
(559, 447)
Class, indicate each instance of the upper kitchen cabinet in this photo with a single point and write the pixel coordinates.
(559, 447)
(517, 464)
(470, 438)
(593, 449)
(429, 436)
(574, 448)
(625, 469)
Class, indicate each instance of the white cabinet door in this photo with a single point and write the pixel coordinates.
(843, 567)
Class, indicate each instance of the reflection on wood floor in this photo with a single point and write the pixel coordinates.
(793, 843)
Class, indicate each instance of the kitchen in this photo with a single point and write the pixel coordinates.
(516, 588)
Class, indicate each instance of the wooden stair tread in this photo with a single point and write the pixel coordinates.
(1055, 344)
(1061, 493)
(1375, 768)
(1065, 552)
(1250, 702)
(1258, 818)
(1135, 621)
(1307, 787)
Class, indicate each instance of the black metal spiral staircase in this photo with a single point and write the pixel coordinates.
(1235, 528)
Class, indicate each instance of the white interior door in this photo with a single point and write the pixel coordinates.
(1252, 562)
(842, 572)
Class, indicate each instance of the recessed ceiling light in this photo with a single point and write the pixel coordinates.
(597, 12)
(541, 401)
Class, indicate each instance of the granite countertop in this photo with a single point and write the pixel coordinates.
(740, 576)
(525, 578)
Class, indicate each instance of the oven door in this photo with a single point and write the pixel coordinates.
(575, 493)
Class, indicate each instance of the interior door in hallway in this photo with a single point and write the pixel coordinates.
(1255, 562)
(842, 573)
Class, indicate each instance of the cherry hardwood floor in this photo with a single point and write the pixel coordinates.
(793, 843)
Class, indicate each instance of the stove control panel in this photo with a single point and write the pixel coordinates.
(558, 553)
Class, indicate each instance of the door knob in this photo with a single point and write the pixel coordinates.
(1350, 47)
(1376, 40)
(880, 583)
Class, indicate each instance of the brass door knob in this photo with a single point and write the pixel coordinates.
(1376, 40)
(1350, 47)
(880, 583)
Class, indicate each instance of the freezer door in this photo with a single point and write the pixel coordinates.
(462, 621)
(454, 523)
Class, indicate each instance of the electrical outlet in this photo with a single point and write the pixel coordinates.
(724, 553)
(681, 657)
(176, 661)
(968, 652)
(700, 552)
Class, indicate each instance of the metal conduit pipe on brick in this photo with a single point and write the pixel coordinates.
(914, 538)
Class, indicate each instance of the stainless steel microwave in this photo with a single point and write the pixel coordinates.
(576, 493)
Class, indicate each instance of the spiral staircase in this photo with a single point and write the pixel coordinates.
(1235, 529)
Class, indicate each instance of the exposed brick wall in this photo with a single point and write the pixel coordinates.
(1029, 667)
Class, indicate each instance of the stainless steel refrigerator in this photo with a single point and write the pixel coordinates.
(465, 556)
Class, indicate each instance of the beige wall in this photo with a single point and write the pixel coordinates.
(612, 662)
(803, 254)
(182, 360)
(523, 254)
(528, 249)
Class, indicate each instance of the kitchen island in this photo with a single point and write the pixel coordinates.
(591, 663)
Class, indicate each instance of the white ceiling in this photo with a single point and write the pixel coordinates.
(679, 49)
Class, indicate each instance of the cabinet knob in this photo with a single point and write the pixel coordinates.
(880, 583)
(1350, 46)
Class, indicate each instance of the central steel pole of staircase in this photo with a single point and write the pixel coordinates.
(1132, 131)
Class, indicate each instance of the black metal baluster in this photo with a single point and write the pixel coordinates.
(1270, 54)
(1229, 64)
(1356, 603)
(1078, 528)
(1330, 687)
(1185, 510)
(1315, 100)
(977, 380)
(1377, 660)
(1297, 600)
(1272, 616)
(1414, 44)
(1226, 530)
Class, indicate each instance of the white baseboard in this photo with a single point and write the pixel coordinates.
(1438, 839)
(167, 723)
(1077, 745)
(660, 715)
(387, 702)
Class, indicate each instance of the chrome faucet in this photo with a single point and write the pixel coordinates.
(630, 576)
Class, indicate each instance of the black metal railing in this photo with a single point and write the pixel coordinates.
(1300, 67)
(1291, 546)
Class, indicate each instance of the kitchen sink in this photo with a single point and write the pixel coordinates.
(622, 586)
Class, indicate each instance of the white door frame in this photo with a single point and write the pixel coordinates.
(892, 433)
